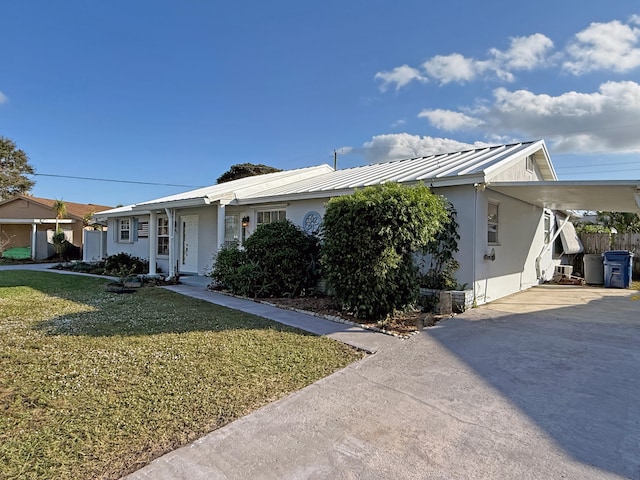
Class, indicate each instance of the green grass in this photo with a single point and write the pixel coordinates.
(635, 285)
(95, 384)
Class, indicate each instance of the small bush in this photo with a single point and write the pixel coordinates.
(278, 260)
(123, 264)
(229, 268)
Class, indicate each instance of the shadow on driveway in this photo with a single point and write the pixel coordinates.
(571, 363)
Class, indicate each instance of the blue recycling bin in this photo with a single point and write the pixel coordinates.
(618, 265)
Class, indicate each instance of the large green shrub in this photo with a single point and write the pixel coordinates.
(440, 253)
(278, 259)
(369, 240)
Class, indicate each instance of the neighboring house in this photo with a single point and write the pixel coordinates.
(30, 222)
(511, 210)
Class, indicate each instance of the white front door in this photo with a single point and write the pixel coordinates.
(189, 243)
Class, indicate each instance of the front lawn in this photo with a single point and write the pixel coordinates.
(95, 384)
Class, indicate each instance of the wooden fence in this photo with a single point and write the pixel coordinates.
(602, 242)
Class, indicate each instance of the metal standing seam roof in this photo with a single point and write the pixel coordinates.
(224, 191)
(322, 180)
(465, 166)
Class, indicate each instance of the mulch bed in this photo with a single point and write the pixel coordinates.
(402, 324)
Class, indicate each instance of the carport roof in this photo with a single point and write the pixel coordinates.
(600, 195)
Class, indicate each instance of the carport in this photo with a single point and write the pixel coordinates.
(600, 195)
(570, 196)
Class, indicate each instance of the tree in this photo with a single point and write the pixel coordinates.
(242, 170)
(623, 222)
(60, 209)
(369, 242)
(14, 168)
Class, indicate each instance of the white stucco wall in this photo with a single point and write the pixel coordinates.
(139, 248)
(521, 241)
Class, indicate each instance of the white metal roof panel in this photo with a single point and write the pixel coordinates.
(465, 167)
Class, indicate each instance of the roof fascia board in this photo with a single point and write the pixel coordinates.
(183, 203)
(571, 183)
(37, 221)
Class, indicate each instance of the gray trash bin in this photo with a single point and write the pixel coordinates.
(593, 269)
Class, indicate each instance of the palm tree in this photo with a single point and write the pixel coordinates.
(60, 209)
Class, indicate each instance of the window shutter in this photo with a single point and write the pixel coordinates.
(134, 227)
(116, 230)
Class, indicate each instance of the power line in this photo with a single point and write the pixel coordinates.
(116, 181)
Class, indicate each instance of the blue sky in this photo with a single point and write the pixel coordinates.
(176, 92)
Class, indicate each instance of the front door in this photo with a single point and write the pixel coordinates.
(189, 243)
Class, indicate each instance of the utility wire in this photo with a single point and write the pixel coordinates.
(116, 181)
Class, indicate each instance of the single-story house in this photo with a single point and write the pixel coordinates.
(512, 211)
(31, 222)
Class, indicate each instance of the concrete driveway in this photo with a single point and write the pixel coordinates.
(553, 392)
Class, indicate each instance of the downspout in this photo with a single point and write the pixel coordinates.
(475, 236)
(476, 188)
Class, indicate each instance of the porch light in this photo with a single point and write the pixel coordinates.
(245, 221)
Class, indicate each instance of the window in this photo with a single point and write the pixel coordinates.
(124, 230)
(530, 163)
(492, 224)
(163, 236)
(231, 230)
(270, 216)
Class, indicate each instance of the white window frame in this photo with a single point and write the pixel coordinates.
(270, 216)
(493, 223)
(231, 229)
(162, 233)
(529, 164)
(122, 222)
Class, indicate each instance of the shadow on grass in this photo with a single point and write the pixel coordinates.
(147, 311)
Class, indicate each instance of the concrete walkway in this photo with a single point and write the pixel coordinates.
(367, 340)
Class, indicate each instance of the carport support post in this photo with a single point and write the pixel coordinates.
(153, 242)
(222, 212)
(34, 240)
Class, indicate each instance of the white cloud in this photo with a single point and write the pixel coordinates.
(3, 98)
(525, 53)
(452, 68)
(401, 76)
(605, 46)
(606, 120)
(404, 145)
(450, 120)
(398, 123)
